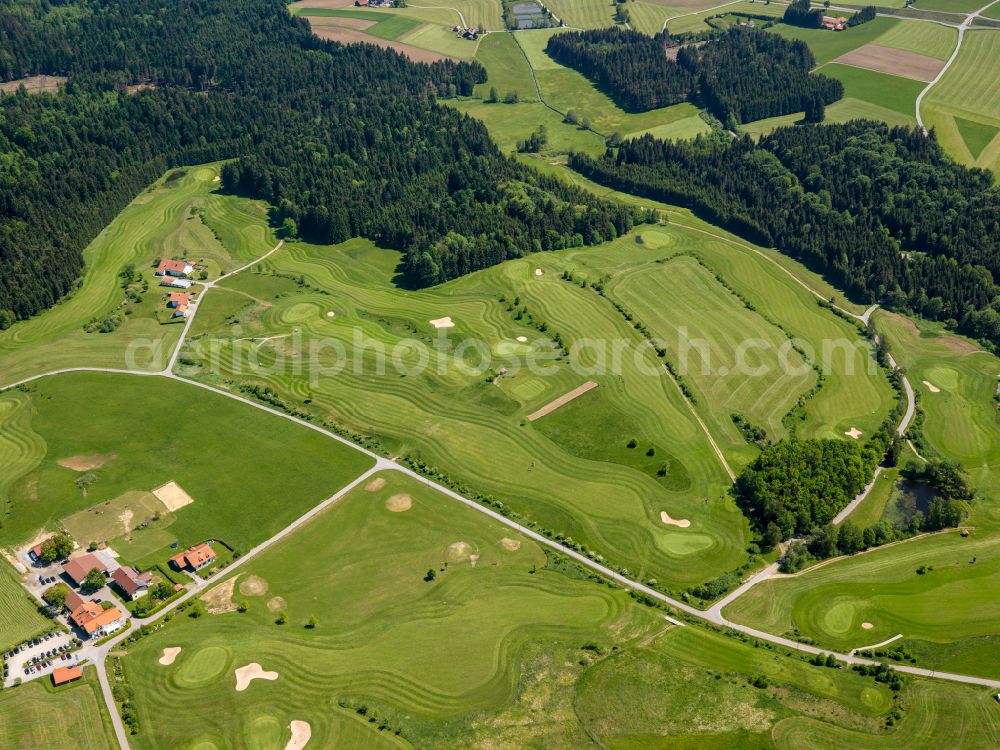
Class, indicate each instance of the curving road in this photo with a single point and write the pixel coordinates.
(961, 36)
(712, 615)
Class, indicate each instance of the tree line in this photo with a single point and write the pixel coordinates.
(740, 75)
(881, 211)
(343, 140)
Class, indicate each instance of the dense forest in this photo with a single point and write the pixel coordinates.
(742, 75)
(345, 140)
(882, 212)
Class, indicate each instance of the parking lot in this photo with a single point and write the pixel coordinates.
(40, 658)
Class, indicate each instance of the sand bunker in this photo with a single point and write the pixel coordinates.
(682, 522)
(301, 732)
(522, 339)
(854, 433)
(86, 463)
(276, 604)
(253, 586)
(445, 322)
(219, 600)
(931, 387)
(173, 496)
(169, 654)
(249, 673)
(399, 503)
(867, 625)
(538, 272)
(458, 552)
(331, 314)
(217, 178)
(511, 545)
(375, 485)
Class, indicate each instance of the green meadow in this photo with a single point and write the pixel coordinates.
(527, 636)
(19, 615)
(71, 717)
(881, 89)
(180, 215)
(386, 25)
(248, 472)
(583, 14)
(965, 113)
(829, 45)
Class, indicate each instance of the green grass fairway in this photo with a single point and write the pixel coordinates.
(939, 715)
(160, 222)
(952, 603)
(961, 419)
(523, 640)
(583, 14)
(506, 68)
(460, 422)
(829, 45)
(19, 615)
(977, 135)
(71, 717)
(715, 324)
(892, 92)
(381, 628)
(387, 25)
(511, 123)
(965, 92)
(249, 473)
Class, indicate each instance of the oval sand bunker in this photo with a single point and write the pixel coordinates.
(867, 625)
(399, 503)
(169, 654)
(249, 673)
(301, 732)
(375, 485)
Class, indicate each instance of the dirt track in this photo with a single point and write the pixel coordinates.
(562, 400)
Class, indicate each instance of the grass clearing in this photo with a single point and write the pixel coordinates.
(163, 431)
(71, 717)
(506, 68)
(888, 91)
(841, 111)
(19, 615)
(170, 218)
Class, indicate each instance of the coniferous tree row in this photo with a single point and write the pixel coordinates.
(344, 140)
(744, 74)
(882, 212)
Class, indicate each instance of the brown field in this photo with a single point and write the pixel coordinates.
(35, 84)
(895, 62)
(354, 36)
(333, 4)
(347, 23)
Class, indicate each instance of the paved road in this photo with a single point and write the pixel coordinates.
(961, 37)
(712, 615)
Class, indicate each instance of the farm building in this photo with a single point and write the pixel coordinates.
(133, 583)
(834, 24)
(73, 600)
(179, 302)
(174, 268)
(35, 553)
(78, 567)
(62, 675)
(195, 558)
(96, 621)
(174, 282)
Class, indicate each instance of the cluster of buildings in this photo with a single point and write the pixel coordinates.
(174, 274)
(834, 24)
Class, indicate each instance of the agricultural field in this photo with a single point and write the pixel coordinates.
(71, 717)
(142, 433)
(828, 45)
(525, 632)
(584, 14)
(181, 214)
(881, 89)
(964, 112)
(19, 615)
